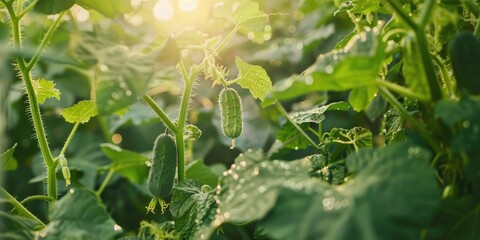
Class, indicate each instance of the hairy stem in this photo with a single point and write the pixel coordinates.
(397, 8)
(20, 208)
(69, 138)
(44, 42)
(37, 197)
(444, 75)
(160, 113)
(402, 90)
(282, 110)
(182, 117)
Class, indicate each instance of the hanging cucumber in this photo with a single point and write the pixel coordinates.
(231, 113)
(465, 58)
(162, 172)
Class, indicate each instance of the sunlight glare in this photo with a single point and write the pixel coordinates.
(188, 5)
(163, 10)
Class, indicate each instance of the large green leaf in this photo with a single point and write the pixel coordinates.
(130, 165)
(53, 6)
(360, 98)
(354, 66)
(379, 203)
(109, 8)
(7, 161)
(192, 208)
(316, 115)
(80, 215)
(254, 78)
(16, 227)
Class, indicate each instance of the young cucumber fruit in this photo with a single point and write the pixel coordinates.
(162, 172)
(231, 113)
(465, 58)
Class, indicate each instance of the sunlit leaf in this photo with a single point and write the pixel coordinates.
(254, 78)
(80, 112)
(109, 8)
(80, 215)
(356, 65)
(245, 14)
(7, 161)
(45, 89)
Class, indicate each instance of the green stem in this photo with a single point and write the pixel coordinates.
(160, 113)
(397, 8)
(444, 75)
(20, 208)
(402, 90)
(52, 181)
(44, 42)
(105, 182)
(282, 110)
(69, 139)
(36, 197)
(187, 91)
(393, 101)
(476, 32)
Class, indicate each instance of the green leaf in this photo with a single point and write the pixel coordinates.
(7, 161)
(316, 115)
(53, 6)
(245, 14)
(122, 77)
(81, 112)
(109, 8)
(360, 98)
(80, 215)
(16, 227)
(379, 184)
(45, 89)
(128, 164)
(292, 138)
(413, 71)
(191, 208)
(254, 78)
(202, 173)
(392, 127)
(356, 65)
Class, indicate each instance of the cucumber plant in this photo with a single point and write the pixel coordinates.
(374, 104)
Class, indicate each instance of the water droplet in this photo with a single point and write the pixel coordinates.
(263, 164)
(243, 163)
(256, 171)
(235, 176)
(226, 215)
(71, 190)
(296, 148)
(117, 228)
(329, 69)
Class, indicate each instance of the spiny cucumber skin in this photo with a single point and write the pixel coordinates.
(231, 112)
(162, 172)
